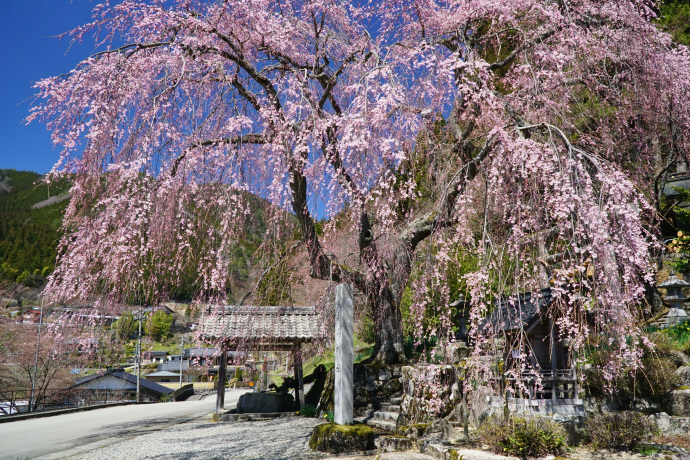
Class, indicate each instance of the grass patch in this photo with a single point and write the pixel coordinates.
(647, 450)
(307, 411)
(327, 358)
(679, 334)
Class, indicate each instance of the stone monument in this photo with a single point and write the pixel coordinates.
(674, 298)
(344, 355)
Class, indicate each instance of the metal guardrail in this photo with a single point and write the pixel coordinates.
(17, 401)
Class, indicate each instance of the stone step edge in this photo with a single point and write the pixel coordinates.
(390, 407)
(382, 424)
(383, 415)
(372, 413)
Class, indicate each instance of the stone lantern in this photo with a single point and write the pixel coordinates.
(674, 298)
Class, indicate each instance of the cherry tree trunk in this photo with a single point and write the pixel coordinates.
(387, 327)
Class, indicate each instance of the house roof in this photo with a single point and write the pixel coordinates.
(130, 378)
(156, 308)
(261, 323)
(163, 374)
(155, 353)
(516, 312)
(199, 352)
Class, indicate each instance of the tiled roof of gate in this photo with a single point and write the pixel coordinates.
(264, 323)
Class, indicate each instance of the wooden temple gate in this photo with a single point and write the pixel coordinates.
(262, 328)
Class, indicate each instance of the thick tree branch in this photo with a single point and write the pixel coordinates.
(498, 65)
(422, 227)
(253, 138)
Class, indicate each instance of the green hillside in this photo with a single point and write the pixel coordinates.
(28, 237)
(674, 18)
(30, 225)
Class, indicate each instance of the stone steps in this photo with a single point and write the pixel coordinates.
(387, 407)
(659, 320)
(386, 417)
(397, 400)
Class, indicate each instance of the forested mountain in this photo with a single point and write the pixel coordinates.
(674, 18)
(30, 218)
(31, 215)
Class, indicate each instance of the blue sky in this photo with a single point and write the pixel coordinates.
(31, 52)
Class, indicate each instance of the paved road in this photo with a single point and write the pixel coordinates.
(69, 434)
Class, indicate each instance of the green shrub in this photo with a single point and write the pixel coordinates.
(158, 325)
(523, 437)
(653, 382)
(619, 430)
(307, 411)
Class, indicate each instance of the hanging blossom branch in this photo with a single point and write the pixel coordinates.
(455, 133)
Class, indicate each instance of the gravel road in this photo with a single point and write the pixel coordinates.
(276, 439)
(281, 438)
(273, 439)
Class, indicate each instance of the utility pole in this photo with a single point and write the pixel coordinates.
(181, 357)
(38, 344)
(140, 315)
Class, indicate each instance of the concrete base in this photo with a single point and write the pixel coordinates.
(261, 403)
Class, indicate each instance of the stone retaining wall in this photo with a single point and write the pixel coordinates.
(667, 424)
(375, 384)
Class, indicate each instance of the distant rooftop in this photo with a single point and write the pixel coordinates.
(127, 377)
(155, 353)
(163, 374)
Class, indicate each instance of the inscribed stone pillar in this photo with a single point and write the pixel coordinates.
(344, 354)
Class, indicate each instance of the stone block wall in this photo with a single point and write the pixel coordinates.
(375, 384)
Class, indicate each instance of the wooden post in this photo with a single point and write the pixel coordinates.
(299, 391)
(575, 381)
(220, 395)
(504, 389)
(552, 344)
(465, 410)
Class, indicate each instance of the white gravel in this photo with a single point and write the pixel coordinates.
(273, 439)
(276, 439)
